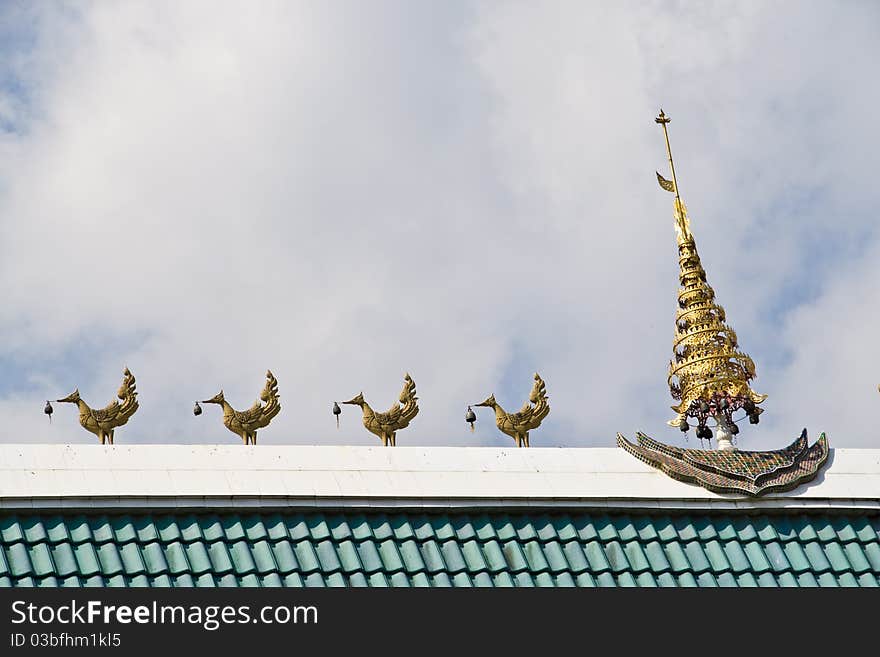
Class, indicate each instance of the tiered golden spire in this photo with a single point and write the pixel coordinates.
(708, 374)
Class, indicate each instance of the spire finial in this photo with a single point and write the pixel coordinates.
(682, 224)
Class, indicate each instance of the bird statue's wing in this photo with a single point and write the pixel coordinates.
(108, 414)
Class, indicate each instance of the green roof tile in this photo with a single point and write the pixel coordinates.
(400, 549)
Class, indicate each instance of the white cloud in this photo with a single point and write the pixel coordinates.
(344, 193)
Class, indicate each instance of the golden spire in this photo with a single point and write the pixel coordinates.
(708, 374)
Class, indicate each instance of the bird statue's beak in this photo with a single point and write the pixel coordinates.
(353, 401)
(68, 399)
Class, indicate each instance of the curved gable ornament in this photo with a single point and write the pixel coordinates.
(752, 473)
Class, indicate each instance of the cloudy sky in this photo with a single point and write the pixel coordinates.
(346, 191)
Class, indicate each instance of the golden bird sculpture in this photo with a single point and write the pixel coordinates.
(387, 424)
(246, 423)
(530, 416)
(103, 421)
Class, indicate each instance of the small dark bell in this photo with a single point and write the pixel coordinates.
(754, 419)
(197, 410)
(683, 426)
(749, 406)
(707, 434)
(336, 412)
(734, 429)
(48, 410)
(471, 417)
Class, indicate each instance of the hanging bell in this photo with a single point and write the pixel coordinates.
(48, 410)
(723, 404)
(754, 419)
(197, 410)
(733, 429)
(336, 412)
(470, 417)
(684, 426)
(749, 406)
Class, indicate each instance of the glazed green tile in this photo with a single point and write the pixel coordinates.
(182, 580)
(796, 557)
(525, 530)
(543, 527)
(464, 529)
(422, 527)
(123, 529)
(390, 556)
(262, 553)
(714, 552)
(254, 529)
(806, 531)
(637, 558)
(284, 557)
(326, 551)
(64, 560)
(504, 528)
(855, 556)
(306, 557)
(554, 557)
(316, 581)
(198, 558)
(190, 529)
(816, 554)
(482, 580)
(360, 527)
(827, 580)
(275, 527)
(564, 580)
(380, 527)
(775, 554)
(206, 580)
(473, 557)
(318, 528)
(645, 527)
(524, 580)
(442, 579)
(585, 580)
(865, 530)
(665, 529)
(219, 555)
(48, 582)
(25, 582)
(836, 557)
(700, 559)
(656, 556)
(443, 529)
(119, 582)
(138, 581)
(646, 580)
(432, 557)
(807, 580)
(56, 530)
(347, 553)
(111, 562)
(726, 580)
(412, 557)
(626, 580)
(847, 580)
(271, 580)
(605, 528)
(4, 565)
(297, 529)
(154, 558)
(758, 561)
(369, 556)
(484, 527)
(358, 580)
(294, 579)
(626, 530)
(10, 530)
(34, 531)
(747, 580)
(399, 581)
(767, 580)
(544, 580)
(872, 554)
(227, 581)
(145, 529)
(5, 582)
(868, 580)
(596, 557)
(335, 580)
(824, 529)
(685, 529)
(420, 580)
(212, 529)
(535, 556)
(494, 556)
(574, 556)
(706, 580)
(96, 581)
(616, 557)
(736, 557)
(453, 557)
(168, 529)
(666, 581)
(87, 559)
(232, 528)
(745, 529)
(844, 529)
(784, 529)
(400, 527)
(677, 557)
(175, 557)
(787, 580)
(161, 581)
(83, 529)
(563, 528)
(379, 580)
(606, 580)
(585, 528)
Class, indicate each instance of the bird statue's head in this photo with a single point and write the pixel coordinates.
(216, 399)
(356, 401)
(489, 402)
(72, 398)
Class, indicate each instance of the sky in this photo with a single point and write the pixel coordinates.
(343, 192)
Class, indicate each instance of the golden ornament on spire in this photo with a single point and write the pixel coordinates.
(708, 374)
